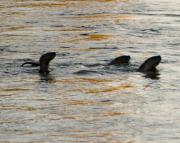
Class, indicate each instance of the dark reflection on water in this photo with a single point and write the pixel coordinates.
(88, 72)
(153, 75)
(101, 103)
(46, 78)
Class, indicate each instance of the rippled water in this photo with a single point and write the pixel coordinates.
(83, 99)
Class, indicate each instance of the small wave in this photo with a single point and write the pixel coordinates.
(94, 65)
(104, 48)
(109, 89)
(151, 30)
(155, 14)
(63, 54)
(86, 72)
(153, 76)
(172, 15)
(4, 48)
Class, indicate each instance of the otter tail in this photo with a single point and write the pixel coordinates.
(32, 64)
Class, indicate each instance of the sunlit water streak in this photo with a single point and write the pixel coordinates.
(83, 99)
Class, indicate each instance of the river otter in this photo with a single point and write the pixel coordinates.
(43, 62)
(148, 65)
(120, 60)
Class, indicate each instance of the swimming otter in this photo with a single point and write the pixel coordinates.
(43, 62)
(148, 65)
(120, 60)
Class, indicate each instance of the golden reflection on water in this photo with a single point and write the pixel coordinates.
(66, 29)
(98, 37)
(104, 17)
(109, 89)
(15, 28)
(80, 102)
(86, 102)
(13, 91)
(57, 3)
(92, 37)
(112, 113)
(109, 135)
(16, 107)
(40, 5)
(18, 13)
(102, 86)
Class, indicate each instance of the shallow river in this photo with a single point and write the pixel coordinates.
(83, 99)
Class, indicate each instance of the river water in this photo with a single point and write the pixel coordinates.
(83, 99)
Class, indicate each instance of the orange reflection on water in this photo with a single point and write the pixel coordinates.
(14, 107)
(98, 37)
(65, 29)
(89, 103)
(113, 113)
(13, 91)
(108, 135)
(15, 28)
(40, 5)
(80, 102)
(92, 37)
(109, 89)
(104, 16)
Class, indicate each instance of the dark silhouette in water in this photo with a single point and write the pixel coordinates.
(148, 65)
(120, 60)
(43, 62)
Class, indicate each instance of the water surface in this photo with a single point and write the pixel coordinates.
(83, 99)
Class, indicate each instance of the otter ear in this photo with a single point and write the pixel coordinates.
(120, 60)
(150, 64)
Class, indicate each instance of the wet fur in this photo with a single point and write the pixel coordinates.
(147, 66)
(150, 64)
(44, 62)
(120, 60)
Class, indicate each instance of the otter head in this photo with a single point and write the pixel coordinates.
(150, 64)
(44, 62)
(120, 60)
